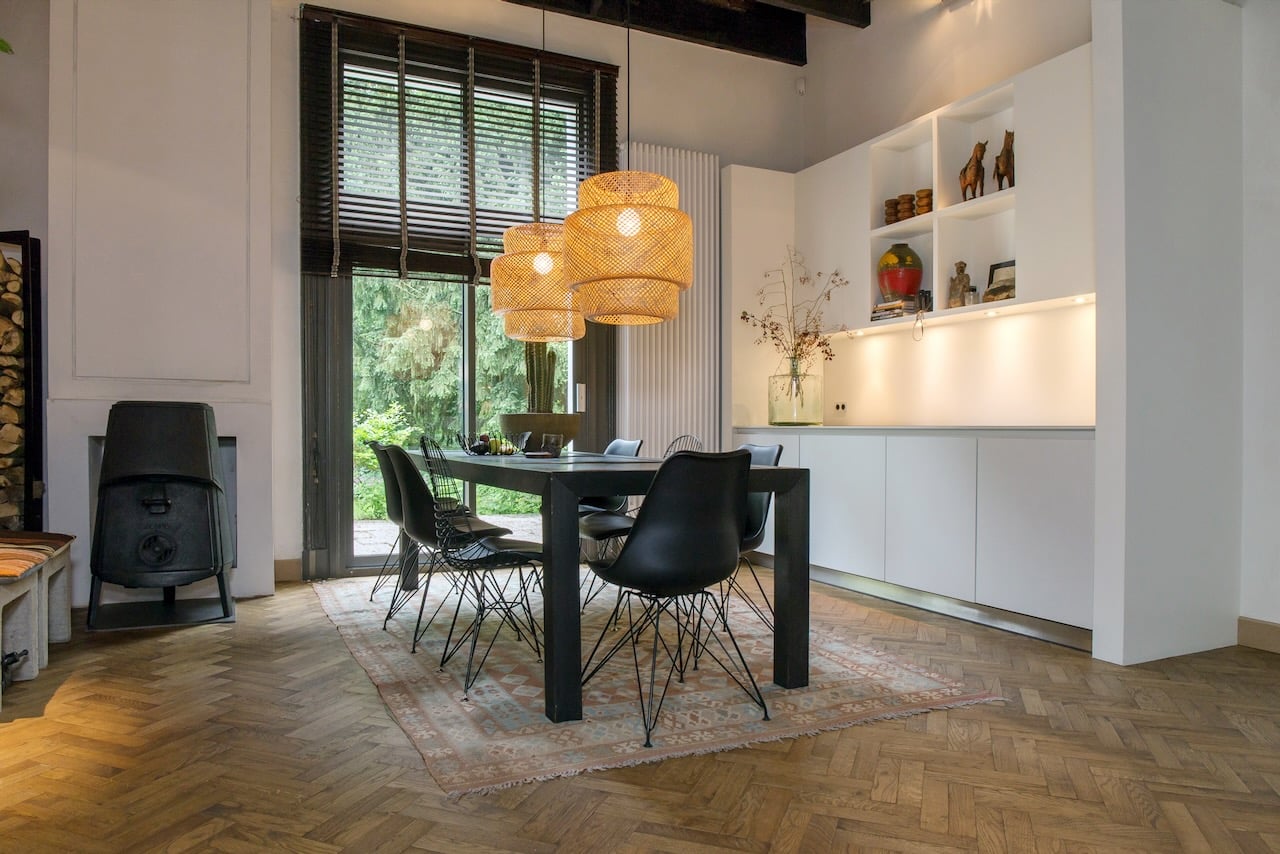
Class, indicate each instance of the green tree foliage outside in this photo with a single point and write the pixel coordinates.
(407, 352)
(389, 427)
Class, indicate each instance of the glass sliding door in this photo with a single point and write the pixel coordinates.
(406, 381)
(418, 149)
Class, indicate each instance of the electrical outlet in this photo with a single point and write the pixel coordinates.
(840, 407)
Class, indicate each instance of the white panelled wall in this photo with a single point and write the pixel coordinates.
(158, 261)
(668, 375)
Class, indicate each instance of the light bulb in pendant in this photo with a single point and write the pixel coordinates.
(629, 222)
(543, 263)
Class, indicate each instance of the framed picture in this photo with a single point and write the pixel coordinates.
(21, 394)
(1001, 282)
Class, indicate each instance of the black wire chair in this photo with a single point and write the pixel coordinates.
(683, 545)
(501, 574)
(757, 514)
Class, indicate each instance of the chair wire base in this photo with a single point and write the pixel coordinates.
(732, 584)
(491, 594)
(694, 637)
(388, 571)
(402, 593)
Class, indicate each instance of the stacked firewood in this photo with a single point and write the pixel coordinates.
(12, 394)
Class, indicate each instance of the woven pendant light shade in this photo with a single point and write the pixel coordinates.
(629, 248)
(527, 285)
(544, 325)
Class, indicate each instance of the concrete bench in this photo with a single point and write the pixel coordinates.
(35, 596)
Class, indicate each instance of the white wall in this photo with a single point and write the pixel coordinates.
(1260, 550)
(758, 220)
(1169, 394)
(24, 117)
(918, 55)
(1023, 370)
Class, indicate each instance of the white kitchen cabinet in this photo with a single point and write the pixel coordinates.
(830, 205)
(929, 501)
(846, 501)
(1035, 527)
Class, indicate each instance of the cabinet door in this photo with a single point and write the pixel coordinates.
(1053, 166)
(790, 457)
(830, 210)
(1035, 528)
(929, 501)
(846, 502)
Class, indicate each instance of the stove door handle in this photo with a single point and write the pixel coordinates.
(158, 503)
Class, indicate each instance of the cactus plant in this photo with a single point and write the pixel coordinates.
(539, 420)
(540, 375)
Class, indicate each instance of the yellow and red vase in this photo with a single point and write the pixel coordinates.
(900, 271)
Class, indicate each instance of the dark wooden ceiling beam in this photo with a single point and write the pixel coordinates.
(855, 13)
(761, 29)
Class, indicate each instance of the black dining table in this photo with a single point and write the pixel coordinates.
(562, 480)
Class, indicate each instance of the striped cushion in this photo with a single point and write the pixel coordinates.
(22, 550)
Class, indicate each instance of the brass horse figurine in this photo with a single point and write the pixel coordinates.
(1004, 162)
(973, 175)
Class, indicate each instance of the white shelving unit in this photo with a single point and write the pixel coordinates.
(1043, 223)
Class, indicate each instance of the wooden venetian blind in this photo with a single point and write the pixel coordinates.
(418, 146)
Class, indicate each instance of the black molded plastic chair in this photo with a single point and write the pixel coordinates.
(617, 503)
(684, 543)
(489, 566)
(757, 513)
(391, 489)
(416, 510)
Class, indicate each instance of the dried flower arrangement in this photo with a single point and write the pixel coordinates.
(792, 317)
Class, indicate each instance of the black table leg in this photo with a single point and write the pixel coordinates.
(408, 563)
(561, 621)
(791, 585)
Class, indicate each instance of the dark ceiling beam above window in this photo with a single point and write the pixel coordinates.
(855, 13)
(771, 29)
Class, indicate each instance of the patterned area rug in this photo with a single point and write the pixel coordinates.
(500, 736)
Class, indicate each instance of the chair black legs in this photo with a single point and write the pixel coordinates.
(693, 619)
(390, 570)
(405, 579)
(491, 596)
(732, 583)
(505, 594)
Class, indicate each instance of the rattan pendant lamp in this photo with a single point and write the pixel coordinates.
(628, 248)
(527, 287)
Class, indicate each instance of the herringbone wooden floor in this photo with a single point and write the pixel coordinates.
(266, 735)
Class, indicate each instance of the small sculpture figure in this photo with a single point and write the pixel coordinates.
(1004, 162)
(973, 175)
(959, 285)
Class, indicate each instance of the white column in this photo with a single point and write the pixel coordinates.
(1167, 125)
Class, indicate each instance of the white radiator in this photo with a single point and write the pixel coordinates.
(669, 373)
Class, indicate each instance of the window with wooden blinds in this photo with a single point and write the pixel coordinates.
(418, 146)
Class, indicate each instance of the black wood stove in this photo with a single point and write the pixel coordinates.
(162, 517)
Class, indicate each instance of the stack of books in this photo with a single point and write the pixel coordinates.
(892, 308)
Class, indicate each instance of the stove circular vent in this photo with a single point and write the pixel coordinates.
(156, 550)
